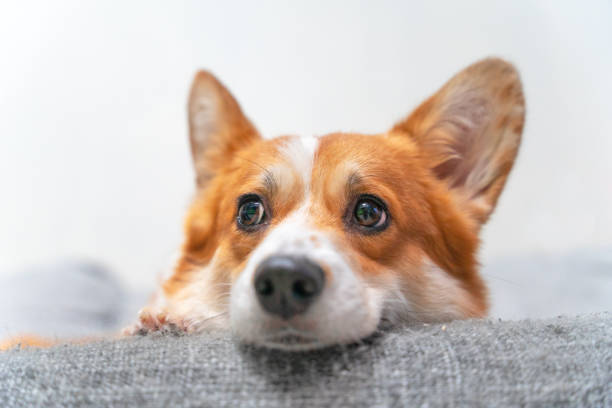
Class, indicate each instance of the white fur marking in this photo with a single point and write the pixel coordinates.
(300, 151)
(446, 298)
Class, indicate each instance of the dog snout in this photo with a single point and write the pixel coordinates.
(287, 285)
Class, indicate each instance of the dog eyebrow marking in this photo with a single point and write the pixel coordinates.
(345, 179)
(353, 181)
(269, 183)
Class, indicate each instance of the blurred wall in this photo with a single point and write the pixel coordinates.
(94, 159)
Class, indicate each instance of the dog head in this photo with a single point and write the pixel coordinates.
(301, 242)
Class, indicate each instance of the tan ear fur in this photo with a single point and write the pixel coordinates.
(470, 132)
(217, 126)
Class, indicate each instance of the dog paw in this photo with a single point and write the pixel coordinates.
(150, 322)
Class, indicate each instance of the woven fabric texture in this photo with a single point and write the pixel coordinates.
(551, 362)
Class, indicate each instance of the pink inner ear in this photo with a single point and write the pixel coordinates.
(462, 131)
(444, 170)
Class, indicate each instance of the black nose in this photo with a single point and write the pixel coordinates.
(287, 285)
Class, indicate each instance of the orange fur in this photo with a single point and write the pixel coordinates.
(25, 341)
(35, 341)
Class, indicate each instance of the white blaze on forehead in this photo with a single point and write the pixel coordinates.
(300, 151)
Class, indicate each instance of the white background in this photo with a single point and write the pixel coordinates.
(94, 160)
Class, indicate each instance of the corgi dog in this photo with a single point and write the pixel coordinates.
(300, 242)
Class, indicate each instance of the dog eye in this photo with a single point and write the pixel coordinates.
(251, 212)
(370, 213)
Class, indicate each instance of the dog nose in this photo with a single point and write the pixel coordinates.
(287, 285)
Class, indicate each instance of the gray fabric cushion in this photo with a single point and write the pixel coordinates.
(544, 284)
(560, 361)
(66, 298)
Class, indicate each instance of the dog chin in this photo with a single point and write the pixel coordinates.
(291, 340)
(296, 340)
(307, 332)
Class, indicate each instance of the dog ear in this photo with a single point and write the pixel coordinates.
(470, 132)
(217, 126)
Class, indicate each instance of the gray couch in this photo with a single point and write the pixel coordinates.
(552, 362)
